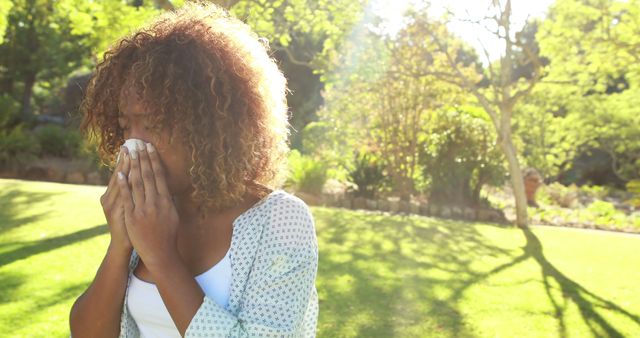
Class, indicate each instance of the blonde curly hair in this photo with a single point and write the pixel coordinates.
(211, 78)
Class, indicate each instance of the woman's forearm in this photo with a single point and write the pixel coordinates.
(179, 291)
(96, 313)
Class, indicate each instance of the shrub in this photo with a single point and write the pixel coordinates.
(9, 111)
(17, 147)
(566, 197)
(460, 155)
(367, 173)
(634, 188)
(602, 208)
(305, 173)
(605, 213)
(58, 141)
(595, 191)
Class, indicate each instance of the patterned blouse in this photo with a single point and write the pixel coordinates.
(274, 262)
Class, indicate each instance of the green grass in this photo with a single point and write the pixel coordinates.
(379, 275)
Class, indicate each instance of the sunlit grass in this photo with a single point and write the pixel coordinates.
(406, 276)
(379, 275)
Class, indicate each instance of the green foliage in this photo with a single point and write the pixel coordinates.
(599, 214)
(89, 151)
(311, 31)
(595, 191)
(47, 40)
(381, 99)
(604, 212)
(592, 41)
(548, 139)
(101, 23)
(563, 196)
(316, 141)
(634, 188)
(594, 77)
(9, 111)
(5, 7)
(459, 155)
(368, 174)
(39, 43)
(305, 173)
(58, 141)
(17, 147)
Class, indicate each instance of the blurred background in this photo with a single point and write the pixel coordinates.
(422, 131)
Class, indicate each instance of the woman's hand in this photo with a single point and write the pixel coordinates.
(113, 207)
(150, 216)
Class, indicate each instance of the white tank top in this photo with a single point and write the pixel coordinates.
(148, 310)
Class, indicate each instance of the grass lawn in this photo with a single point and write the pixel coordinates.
(379, 275)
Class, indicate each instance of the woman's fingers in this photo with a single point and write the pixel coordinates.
(126, 168)
(112, 191)
(112, 180)
(135, 178)
(158, 171)
(126, 199)
(148, 179)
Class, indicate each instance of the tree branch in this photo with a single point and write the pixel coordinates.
(291, 57)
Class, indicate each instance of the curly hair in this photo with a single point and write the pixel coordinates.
(209, 76)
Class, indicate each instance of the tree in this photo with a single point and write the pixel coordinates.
(503, 91)
(46, 40)
(382, 104)
(460, 156)
(548, 136)
(306, 36)
(594, 47)
(406, 102)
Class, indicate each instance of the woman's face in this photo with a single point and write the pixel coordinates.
(174, 157)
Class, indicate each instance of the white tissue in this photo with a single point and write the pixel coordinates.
(132, 144)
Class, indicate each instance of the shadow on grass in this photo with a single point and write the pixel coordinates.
(587, 302)
(49, 244)
(15, 203)
(392, 264)
(29, 306)
(8, 283)
(407, 275)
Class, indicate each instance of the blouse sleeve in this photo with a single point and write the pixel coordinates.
(128, 327)
(280, 299)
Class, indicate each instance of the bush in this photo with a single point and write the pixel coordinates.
(602, 209)
(9, 111)
(634, 188)
(595, 191)
(305, 173)
(17, 147)
(459, 156)
(566, 197)
(58, 141)
(367, 173)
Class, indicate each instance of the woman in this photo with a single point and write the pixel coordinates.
(200, 245)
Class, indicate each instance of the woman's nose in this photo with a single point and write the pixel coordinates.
(138, 133)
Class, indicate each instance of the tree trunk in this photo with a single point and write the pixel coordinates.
(517, 182)
(407, 189)
(6, 86)
(29, 82)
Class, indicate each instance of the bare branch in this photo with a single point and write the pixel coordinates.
(467, 83)
(291, 57)
(537, 71)
(491, 70)
(444, 76)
